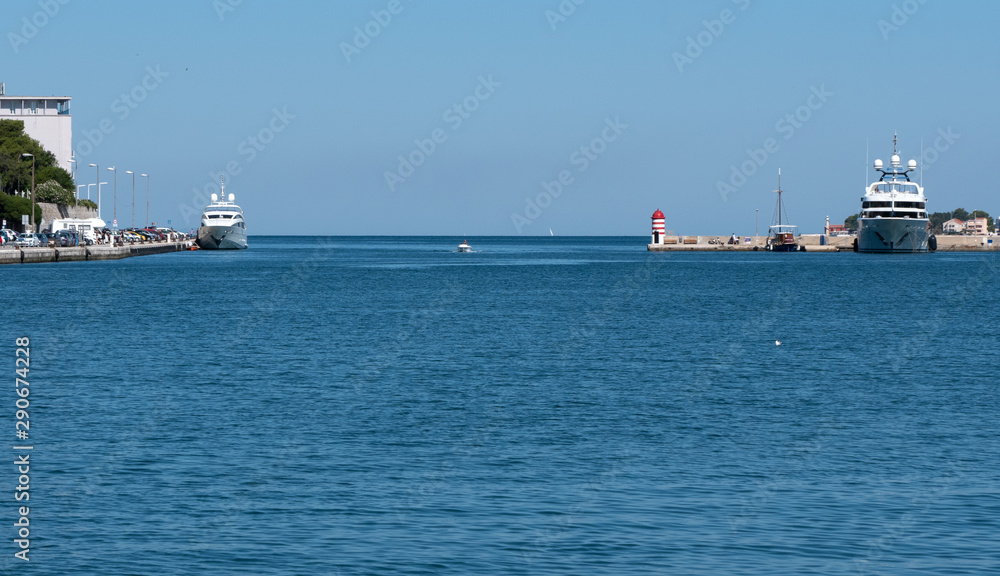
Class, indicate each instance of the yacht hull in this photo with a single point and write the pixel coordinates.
(222, 238)
(892, 235)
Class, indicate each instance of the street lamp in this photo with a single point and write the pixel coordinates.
(146, 176)
(756, 212)
(115, 211)
(76, 206)
(97, 172)
(32, 210)
(133, 196)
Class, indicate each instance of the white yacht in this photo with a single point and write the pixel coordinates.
(894, 211)
(464, 246)
(222, 224)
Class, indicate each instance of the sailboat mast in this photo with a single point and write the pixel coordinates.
(779, 199)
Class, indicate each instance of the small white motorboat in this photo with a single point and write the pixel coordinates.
(464, 246)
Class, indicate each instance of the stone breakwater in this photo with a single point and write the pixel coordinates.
(10, 255)
(812, 243)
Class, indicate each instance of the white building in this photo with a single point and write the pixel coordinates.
(953, 226)
(46, 119)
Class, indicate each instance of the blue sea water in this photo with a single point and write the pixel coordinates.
(349, 405)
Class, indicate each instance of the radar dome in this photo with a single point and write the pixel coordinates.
(232, 197)
(878, 164)
(215, 197)
(912, 164)
(895, 160)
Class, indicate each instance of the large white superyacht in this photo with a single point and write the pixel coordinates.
(222, 224)
(894, 211)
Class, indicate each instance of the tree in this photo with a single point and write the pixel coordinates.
(12, 207)
(851, 223)
(960, 213)
(937, 221)
(17, 170)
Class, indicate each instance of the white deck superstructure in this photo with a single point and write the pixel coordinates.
(894, 211)
(222, 224)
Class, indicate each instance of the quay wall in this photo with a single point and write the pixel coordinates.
(947, 243)
(52, 212)
(13, 255)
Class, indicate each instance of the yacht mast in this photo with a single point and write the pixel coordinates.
(779, 198)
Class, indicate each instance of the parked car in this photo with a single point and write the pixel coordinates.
(46, 239)
(27, 240)
(66, 238)
(129, 236)
(146, 237)
(157, 235)
(8, 235)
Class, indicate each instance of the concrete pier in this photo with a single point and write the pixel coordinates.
(11, 255)
(812, 244)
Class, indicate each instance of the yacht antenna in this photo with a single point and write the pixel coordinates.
(866, 163)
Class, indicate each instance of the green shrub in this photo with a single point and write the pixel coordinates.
(52, 191)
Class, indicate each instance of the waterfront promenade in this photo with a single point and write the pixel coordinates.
(812, 243)
(12, 255)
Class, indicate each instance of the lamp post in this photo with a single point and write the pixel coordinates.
(97, 172)
(115, 211)
(32, 209)
(133, 196)
(76, 205)
(78, 186)
(756, 212)
(146, 176)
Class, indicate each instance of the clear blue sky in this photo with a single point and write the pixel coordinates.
(556, 85)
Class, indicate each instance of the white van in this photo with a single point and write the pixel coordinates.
(84, 227)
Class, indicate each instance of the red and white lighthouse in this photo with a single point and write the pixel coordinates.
(658, 227)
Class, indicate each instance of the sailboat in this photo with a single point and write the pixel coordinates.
(781, 236)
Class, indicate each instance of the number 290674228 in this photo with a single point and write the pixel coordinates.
(22, 362)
